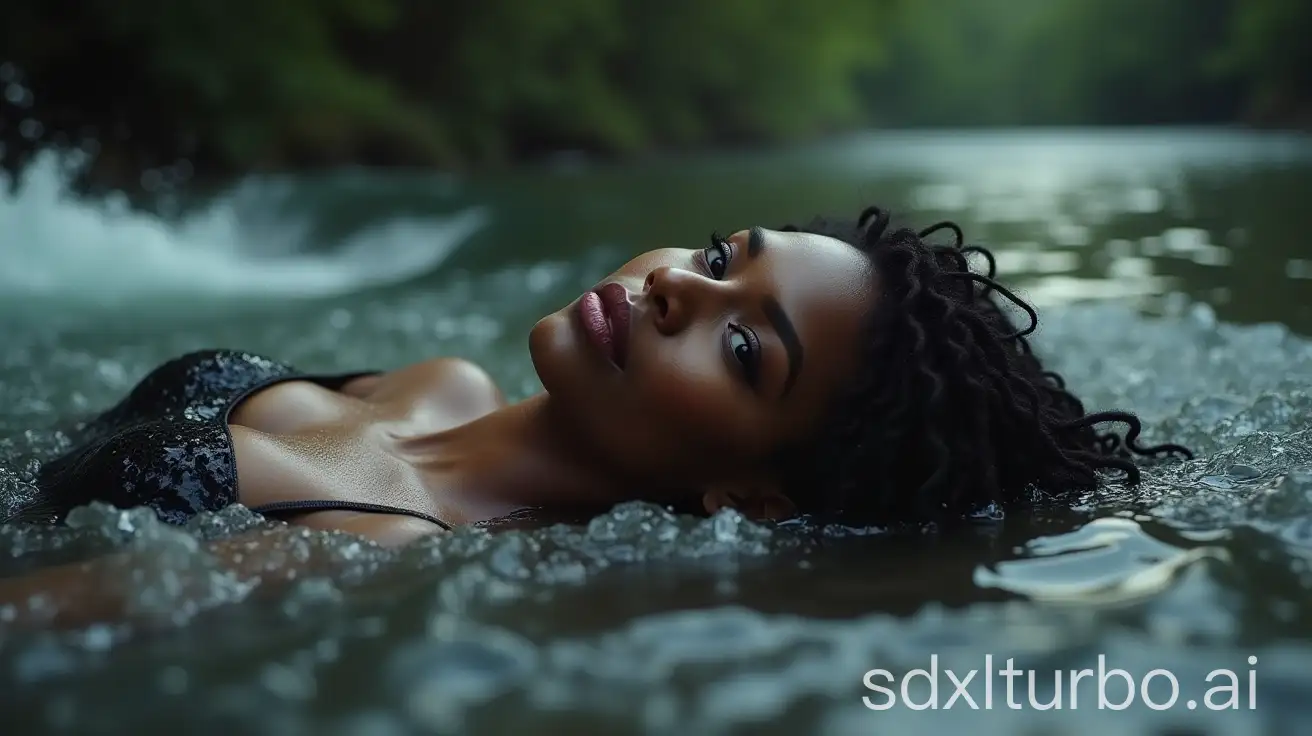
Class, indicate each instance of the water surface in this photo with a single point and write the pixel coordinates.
(1174, 277)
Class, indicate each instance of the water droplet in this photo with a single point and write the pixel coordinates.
(1243, 472)
(31, 129)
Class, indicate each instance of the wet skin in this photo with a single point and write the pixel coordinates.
(732, 353)
(735, 350)
(729, 354)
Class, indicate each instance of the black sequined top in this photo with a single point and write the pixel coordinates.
(167, 445)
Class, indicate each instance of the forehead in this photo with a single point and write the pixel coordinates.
(818, 273)
(824, 286)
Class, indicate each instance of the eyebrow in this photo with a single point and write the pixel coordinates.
(755, 241)
(783, 327)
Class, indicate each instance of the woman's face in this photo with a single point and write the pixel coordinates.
(690, 367)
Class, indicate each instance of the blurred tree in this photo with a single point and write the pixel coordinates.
(747, 70)
(489, 70)
(509, 78)
(248, 84)
(227, 85)
(1092, 62)
(252, 83)
(1269, 50)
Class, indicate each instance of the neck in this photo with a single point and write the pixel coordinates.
(520, 456)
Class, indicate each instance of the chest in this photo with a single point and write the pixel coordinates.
(299, 440)
(427, 397)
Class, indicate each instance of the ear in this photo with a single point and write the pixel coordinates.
(760, 499)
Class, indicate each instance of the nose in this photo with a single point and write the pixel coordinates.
(673, 294)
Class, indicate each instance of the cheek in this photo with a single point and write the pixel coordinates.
(692, 398)
(637, 269)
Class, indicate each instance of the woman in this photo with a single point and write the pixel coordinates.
(839, 368)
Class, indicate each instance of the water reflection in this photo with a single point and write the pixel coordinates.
(1215, 215)
(646, 622)
(1108, 562)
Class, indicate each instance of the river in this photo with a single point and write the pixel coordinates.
(1173, 272)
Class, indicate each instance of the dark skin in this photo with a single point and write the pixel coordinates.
(735, 351)
(686, 416)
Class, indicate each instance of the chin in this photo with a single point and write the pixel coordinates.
(554, 346)
(568, 370)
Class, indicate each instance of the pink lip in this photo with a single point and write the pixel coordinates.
(605, 314)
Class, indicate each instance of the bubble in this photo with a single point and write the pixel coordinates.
(18, 95)
(31, 129)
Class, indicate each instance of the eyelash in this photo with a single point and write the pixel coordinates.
(751, 361)
(724, 249)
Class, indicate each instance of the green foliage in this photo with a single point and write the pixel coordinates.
(1269, 49)
(746, 69)
(1008, 62)
(505, 78)
(244, 84)
(262, 83)
(232, 85)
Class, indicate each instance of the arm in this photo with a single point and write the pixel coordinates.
(259, 562)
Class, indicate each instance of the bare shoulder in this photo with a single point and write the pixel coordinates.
(454, 381)
(467, 375)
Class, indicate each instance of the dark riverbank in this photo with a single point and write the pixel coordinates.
(167, 92)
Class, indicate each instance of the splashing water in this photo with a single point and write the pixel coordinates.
(107, 254)
(646, 622)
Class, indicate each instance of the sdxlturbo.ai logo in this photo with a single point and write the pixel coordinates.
(1109, 688)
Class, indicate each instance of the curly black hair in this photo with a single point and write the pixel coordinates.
(953, 413)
